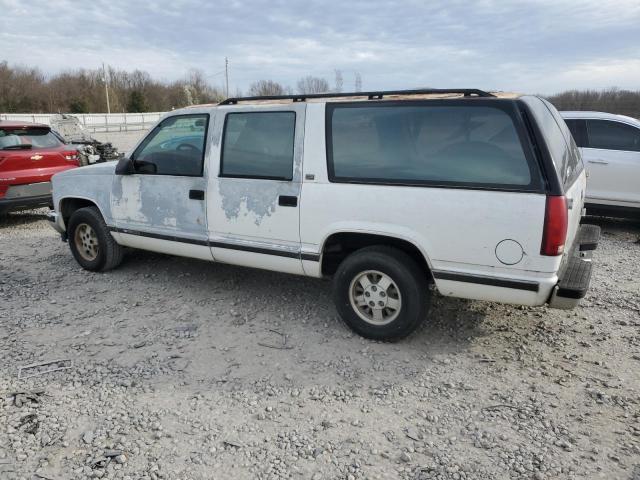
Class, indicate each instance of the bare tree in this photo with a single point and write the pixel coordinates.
(310, 84)
(266, 87)
(339, 83)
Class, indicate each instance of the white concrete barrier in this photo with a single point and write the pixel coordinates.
(96, 122)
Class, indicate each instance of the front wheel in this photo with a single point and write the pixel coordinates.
(90, 241)
(381, 293)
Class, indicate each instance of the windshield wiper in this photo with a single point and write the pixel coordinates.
(22, 146)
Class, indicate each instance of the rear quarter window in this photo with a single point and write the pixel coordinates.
(458, 145)
(566, 157)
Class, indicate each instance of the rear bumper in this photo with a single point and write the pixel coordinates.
(575, 277)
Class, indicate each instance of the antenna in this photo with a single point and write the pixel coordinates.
(226, 76)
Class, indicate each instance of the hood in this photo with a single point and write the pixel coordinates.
(106, 168)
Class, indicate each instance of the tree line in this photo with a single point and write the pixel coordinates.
(29, 90)
(612, 100)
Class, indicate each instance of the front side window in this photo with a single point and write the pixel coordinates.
(258, 145)
(414, 144)
(613, 135)
(175, 147)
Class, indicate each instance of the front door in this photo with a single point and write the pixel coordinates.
(612, 156)
(161, 207)
(254, 197)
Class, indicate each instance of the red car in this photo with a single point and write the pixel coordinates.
(30, 154)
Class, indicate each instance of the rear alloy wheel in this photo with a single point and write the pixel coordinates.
(91, 242)
(375, 297)
(381, 293)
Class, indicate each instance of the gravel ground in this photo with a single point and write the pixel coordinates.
(180, 369)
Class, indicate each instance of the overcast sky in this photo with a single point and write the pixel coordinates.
(541, 46)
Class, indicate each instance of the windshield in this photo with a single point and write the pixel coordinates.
(36, 137)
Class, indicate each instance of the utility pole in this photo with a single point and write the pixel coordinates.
(226, 76)
(106, 87)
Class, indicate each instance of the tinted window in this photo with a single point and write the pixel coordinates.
(36, 137)
(426, 143)
(175, 147)
(613, 135)
(578, 130)
(259, 145)
(563, 149)
(574, 161)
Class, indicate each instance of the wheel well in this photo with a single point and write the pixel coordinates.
(70, 205)
(339, 245)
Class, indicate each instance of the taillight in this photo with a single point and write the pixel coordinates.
(71, 155)
(555, 226)
(3, 190)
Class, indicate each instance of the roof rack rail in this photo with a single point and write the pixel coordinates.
(377, 95)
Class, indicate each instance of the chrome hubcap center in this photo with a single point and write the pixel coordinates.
(375, 297)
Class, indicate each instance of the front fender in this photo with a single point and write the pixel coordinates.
(93, 188)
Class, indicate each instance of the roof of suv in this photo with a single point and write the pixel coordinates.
(422, 94)
(432, 93)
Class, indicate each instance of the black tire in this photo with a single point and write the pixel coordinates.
(410, 284)
(109, 252)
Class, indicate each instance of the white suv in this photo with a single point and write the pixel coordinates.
(479, 195)
(610, 144)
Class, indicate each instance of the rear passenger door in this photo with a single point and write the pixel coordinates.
(254, 194)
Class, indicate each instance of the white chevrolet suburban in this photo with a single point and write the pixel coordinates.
(392, 194)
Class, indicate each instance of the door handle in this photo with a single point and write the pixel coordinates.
(196, 194)
(599, 162)
(288, 201)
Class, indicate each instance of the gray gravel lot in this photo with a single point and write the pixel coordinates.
(181, 369)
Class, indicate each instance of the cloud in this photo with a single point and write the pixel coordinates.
(543, 46)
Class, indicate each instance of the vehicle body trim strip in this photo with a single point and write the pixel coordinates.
(484, 280)
(159, 236)
(313, 257)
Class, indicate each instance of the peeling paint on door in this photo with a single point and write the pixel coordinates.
(127, 199)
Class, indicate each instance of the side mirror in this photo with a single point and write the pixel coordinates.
(125, 167)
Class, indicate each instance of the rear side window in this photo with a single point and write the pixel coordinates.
(36, 137)
(578, 129)
(426, 144)
(563, 149)
(258, 145)
(613, 135)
